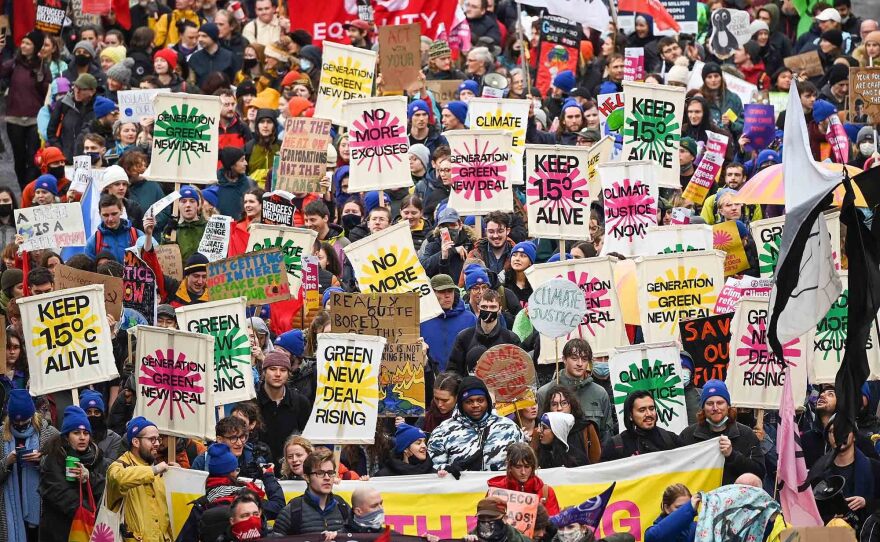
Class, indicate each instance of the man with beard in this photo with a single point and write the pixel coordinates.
(571, 121)
(135, 478)
(641, 436)
(813, 438)
(112, 446)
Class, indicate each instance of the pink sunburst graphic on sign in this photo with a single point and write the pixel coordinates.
(629, 209)
(374, 137)
(721, 239)
(479, 172)
(170, 373)
(596, 295)
(557, 190)
(755, 353)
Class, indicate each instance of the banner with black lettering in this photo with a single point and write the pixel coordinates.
(507, 115)
(347, 399)
(754, 376)
(67, 339)
(631, 198)
(603, 325)
(379, 144)
(174, 381)
(386, 262)
(557, 191)
(186, 138)
(707, 340)
(655, 368)
(346, 73)
(652, 128)
(767, 234)
(674, 239)
(481, 171)
(225, 321)
(139, 286)
(677, 287)
(295, 244)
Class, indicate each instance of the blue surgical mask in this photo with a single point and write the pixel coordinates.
(719, 425)
(600, 369)
(305, 64)
(685, 377)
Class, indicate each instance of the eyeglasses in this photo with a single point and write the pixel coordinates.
(151, 440)
(324, 473)
(236, 438)
(560, 404)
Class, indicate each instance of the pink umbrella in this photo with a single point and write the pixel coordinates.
(767, 186)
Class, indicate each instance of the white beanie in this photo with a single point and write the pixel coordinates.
(679, 73)
(112, 174)
(560, 423)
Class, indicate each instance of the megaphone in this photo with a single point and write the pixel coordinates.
(829, 496)
(495, 86)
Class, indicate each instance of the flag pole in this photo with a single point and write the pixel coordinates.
(525, 50)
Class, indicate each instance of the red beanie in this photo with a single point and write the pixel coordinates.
(47, 156)
(300, 107)
(168, 55)
(291, 78)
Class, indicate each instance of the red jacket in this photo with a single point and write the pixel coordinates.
(533, 485)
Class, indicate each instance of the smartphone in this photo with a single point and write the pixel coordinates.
(20, 452)
(445, 236)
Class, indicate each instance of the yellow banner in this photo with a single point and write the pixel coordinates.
(446, 507)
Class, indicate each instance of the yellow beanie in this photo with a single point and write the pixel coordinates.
(115, 53)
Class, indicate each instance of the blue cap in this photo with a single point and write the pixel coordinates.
(75, 418)
(328, 292)
(555, 257)
(371, 200)
(417, 105)
(822, 110)
(467, 85)
(607, 87)
(405, 436)
(134, 427)
(565, 81)
(91, 399)
(47, 182)
(714, 388)
(104, 107)
(767, 155)
(448, 216)
(212, 195)
(189, 192)
(571, 102)
(526, 247)
(21, 405)
(458, 109)
(474, 274)
(220, 460)
(293, 341)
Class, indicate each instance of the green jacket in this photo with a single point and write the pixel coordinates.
(189, 235)
(593, 398)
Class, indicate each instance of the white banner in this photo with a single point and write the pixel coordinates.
(557, 191)
(386, 262)
(67, 339)
(134, 104)
(677, 287)
(631, 197)
(767, 234)
(506, 115)
(215, 239)
(58, 225)
(347, 72)
(295, 244)
(675, 239)
(603, 325)
(593, 13)
(655, 368)
(754, 376)
(175, 381)
(652, 127)
(185, 138)
(379, 144)
(481, 171)
(347, 400)
(225, 321)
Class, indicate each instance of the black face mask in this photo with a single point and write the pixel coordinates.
(99, 426)
(250, 63)
(5, 209)
(350, 221)
(490, 530)
(82, 60)
(95, 156)
(488, 316)
(57, 172)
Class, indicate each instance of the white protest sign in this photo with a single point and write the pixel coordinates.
(503, 114)
(159, 206)
(58, 225)
(481, 171)
(730, 31)
(185, 138)
(675, 239)
(652, 128)
(379, 143)
(346, 72)
(82, 173)
(631, 197)
(215, 239)
(557, 191)
(557, 307)
(134, 104)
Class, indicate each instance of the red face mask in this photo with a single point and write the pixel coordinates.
(248, 529)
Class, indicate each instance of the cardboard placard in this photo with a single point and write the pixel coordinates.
(557, 307)
(443, 90)
(400, 55)
(402, 379)
(303, 156)
(393, 316)
(139, 291)
(808, 64)
(707, 340)
(58, 225)
(260, 276)
(508, 372)
(294, 244)
(818, 534)
(522, 509)
(69, 277)
(864, 94)
(170, 260)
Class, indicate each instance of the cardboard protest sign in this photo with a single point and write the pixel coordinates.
(392, 316)
(767, 234)
(82, 173)
(215, 239)
(634, 64)
(278, 208)
(379, 143)
(511, 116)
(611, 111)
(808, 64)
(599, 153)
(507, 371)
(631, 195)
(725, 236)
(557, 191)
(522, 509)
(185, 138)
(347, 73)
(302, 160)
(58, 225)
(708, 169)
(864, 94)
(174, 381)
(558, 49)
(139, 287)
(443, 90)
(818, 534)
(294, 244)
(675, 239)
(677, 287)
(557, 307)
(734, 289)
(655, 368)
(402, 379)
(135, 104)
(755, 377)
(260, 277)
(602, 324)
(707, 340)
(69, 277)
(225, 321)
(730, 31)
(386, 262)
(759, 126)
(652, 127)
(67, 339)
(50, 16)
(170, 260)
(346, 401)
(481, 171)
(400, 55)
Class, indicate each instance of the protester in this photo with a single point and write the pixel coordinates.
(521, 466)
(318, 509)
(642, 435)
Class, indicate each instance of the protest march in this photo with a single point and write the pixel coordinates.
(440, 270)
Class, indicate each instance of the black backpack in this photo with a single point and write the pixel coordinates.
(214, 523)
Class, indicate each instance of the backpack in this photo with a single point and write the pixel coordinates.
(213, 523)
(296, 513)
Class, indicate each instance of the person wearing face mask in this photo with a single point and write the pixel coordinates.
(491, 524)
(245, 519)
(111, 444)
(8, 204)
(51, 161)
(410, 455)
(865, 147)
(687, 154)
(85, 62)
(738, 444)
(471, 343)
(368, 512)
(447, 256)
(642, 435)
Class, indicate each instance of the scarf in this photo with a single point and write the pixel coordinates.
(735, 512)
(21, 492)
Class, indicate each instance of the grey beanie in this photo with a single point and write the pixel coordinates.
(422, 153)
(864, 133)
(85, 45)
(121, 71)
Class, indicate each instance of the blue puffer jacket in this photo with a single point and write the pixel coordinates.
(440, 332)
(114, 241)
(678, 526)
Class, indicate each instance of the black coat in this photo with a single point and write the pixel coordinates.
(634, 442)
(472, 342)
(280, 420)
(747, 455)
(398, 467)
(66, 123)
